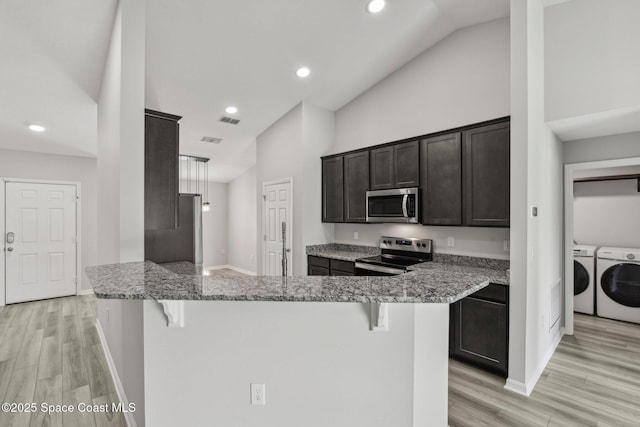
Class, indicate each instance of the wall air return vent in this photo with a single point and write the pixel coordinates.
(231, 121)
(211, 140)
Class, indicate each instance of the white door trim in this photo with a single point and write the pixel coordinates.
(3, 182)
(264, 220)
(569, 170)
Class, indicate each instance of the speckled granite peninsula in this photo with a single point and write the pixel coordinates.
(428, 283)
(236, 330)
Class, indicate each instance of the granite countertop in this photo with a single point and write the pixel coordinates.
(182, 281)
(494, 275)
(448, 278)
(342, 252)
(494, 269)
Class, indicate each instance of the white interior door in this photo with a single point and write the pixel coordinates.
(39, 241)
(277, 209)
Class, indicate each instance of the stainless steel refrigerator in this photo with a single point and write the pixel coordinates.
(183, 243)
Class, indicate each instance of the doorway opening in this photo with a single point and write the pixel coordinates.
(572, 172)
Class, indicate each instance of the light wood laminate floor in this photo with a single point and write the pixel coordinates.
(593, 379)
(50, 352)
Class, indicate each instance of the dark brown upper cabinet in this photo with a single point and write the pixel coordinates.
(395, 166)
(356, 185)
(333, 189)
(441, 180)
(486, 175)
(161, 145)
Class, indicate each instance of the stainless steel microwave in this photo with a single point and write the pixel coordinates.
(397, 205)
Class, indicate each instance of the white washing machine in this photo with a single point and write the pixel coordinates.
(618, 289)
(584, 263)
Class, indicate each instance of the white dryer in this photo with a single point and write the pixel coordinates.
(618, 290)
(584, 263)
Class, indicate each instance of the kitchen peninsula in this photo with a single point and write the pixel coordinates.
(323, 354)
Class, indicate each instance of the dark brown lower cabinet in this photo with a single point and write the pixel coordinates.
(320, 266)
(479, 329)
(314, 270)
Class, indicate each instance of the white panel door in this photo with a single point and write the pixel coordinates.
(40, 241)
(277, 205)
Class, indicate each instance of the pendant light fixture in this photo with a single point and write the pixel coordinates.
(206, 206)
(192, 178)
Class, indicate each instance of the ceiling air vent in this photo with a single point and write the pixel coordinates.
(231, 121)
(211, 139)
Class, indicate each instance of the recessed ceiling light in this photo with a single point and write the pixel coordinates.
(37, 128)
(375, 6)
(303, 72)
(231, 109)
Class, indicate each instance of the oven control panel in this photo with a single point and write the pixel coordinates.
(406, 244)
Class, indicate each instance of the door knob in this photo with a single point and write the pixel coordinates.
(10, 249)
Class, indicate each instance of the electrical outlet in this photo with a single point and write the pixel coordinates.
(451, 241)
(223, 251)
(355, 235)
(258, 394)
(506, 246)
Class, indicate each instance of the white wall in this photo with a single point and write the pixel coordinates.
(22, 164)
(278, 150)
(108, 168)
(602, 148)
(471, 241)
(120, 171)
(320, 363)
(291, 148)
(591, 63)
(462, 80)
(215, 226)
(536, 181)
(605, 213)
(243, 221)
(214, 223)
(318, 127)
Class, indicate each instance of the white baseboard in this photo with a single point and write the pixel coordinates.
(85, 292)
(231, 267)
(128, 416)
(516, 387)
(525, 389)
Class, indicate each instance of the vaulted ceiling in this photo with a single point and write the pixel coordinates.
(202, 56)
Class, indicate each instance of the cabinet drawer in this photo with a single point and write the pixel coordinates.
(317, 271)
(341, 273)
(343, 266)
(493, 292)
(318, 261)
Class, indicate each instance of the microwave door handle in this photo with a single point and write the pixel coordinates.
(405, 199)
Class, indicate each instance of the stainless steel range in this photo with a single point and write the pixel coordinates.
(397, 253)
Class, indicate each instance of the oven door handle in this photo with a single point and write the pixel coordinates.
(405, 199)
(378, 268)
